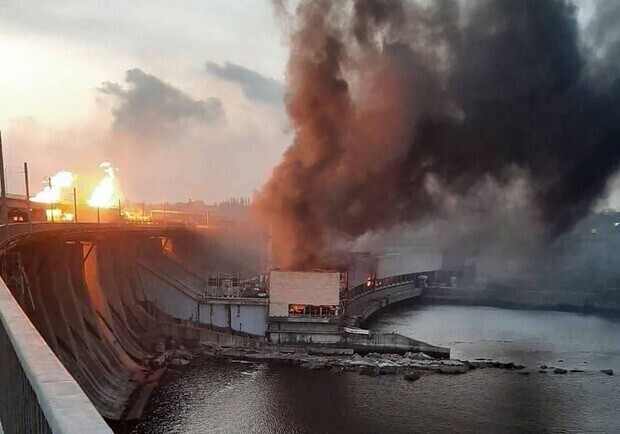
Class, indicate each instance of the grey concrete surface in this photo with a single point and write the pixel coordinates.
(66, 407)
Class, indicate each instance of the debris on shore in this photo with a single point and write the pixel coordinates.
(169, 355)
(411, 366)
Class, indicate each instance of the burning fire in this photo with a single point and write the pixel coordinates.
(106, 194)
(52, 192)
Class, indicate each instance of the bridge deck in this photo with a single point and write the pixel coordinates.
(13, 233)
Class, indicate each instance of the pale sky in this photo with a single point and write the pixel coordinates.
(56, 112)
(199, 117)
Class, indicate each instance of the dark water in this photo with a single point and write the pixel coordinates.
(248, 398)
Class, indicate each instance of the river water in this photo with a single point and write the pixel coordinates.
(208, 397)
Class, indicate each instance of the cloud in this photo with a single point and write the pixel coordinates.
(255, 86)
(150, 106)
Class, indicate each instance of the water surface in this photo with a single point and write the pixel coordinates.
(253, 398)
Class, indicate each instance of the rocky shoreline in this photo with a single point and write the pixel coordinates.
(410, 366)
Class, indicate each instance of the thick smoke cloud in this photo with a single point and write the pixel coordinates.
(150, 106)
(603, 37)
(255, 86)
(402, 109)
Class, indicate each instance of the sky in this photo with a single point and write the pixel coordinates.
(185, 100)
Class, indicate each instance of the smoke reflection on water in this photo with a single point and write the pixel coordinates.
(235, 398)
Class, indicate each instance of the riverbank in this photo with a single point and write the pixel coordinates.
(411, 366)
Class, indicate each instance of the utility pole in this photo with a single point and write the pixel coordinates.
(49, 183)
(98, 219)
(4, 209)
(27, 182)
(120, 210)
(75, 210)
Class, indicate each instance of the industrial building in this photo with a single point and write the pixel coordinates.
(304, 306)
(304, 294)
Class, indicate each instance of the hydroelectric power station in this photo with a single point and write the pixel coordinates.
(84, 307)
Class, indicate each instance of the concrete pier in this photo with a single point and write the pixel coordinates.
(393, 343)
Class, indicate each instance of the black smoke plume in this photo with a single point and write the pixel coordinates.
(401, 108)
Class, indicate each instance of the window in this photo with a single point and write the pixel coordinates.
(310, 311)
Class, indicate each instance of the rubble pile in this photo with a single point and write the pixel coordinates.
(410, 365)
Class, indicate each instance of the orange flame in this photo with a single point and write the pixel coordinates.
(106, 194)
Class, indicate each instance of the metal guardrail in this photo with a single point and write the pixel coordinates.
(37, 393)
(379, 284)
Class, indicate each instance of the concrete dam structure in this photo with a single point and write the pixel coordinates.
(101, 298)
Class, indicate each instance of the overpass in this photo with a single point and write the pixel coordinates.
(12, 234)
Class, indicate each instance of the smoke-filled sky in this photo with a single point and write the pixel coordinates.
(416, 106)
(404, 112)
(185, 98)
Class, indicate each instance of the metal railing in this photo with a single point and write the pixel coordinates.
(378, 284)
(37, 393)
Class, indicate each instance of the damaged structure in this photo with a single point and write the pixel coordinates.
(305, 306)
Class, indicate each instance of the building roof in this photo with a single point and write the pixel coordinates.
(19, 201)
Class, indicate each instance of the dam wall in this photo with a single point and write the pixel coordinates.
(246, 315)
(101, 301)
(175, 290)
(81, 297)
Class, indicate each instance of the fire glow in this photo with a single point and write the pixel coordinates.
(105, 194)
(53, 191)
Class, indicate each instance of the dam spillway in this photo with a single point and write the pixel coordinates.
(105, 298)
(92, 298)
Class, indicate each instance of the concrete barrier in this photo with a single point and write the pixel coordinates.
(38, 395)
(363, 306)
(393, 343)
